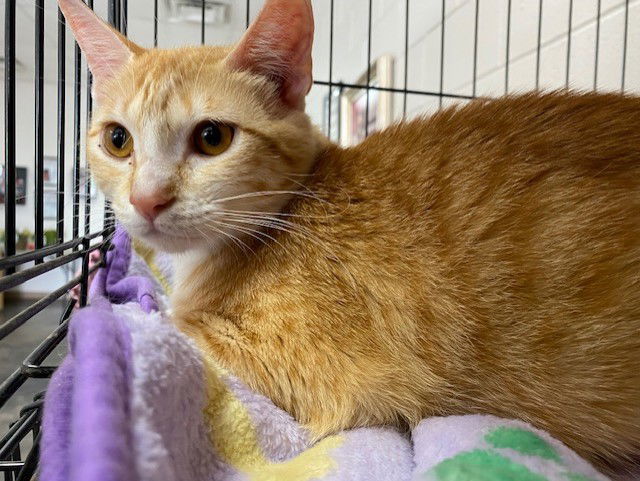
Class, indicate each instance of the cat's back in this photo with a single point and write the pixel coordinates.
(567, 130)
(530, 200)
(554, 168)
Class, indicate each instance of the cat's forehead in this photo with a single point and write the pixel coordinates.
(156, 62)
(161, 86)
(161, 80)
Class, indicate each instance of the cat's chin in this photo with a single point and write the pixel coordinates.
(171, 244)
(162, 242)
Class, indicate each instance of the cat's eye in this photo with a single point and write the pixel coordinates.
(212, 138)
(117, 141)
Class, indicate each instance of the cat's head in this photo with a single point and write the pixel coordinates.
(187, 142)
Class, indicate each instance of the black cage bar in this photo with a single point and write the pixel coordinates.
(18, 457)
(16, 462)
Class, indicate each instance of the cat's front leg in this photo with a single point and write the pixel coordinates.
(311, 379)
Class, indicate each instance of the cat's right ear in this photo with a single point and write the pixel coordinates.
(105, 49)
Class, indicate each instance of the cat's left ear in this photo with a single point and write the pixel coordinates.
(105, 49)
(278, 46)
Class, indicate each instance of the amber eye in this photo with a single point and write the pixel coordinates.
(118, 141)
(212, 138)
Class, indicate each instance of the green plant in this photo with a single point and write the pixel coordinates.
(23, 240)
(50, 237)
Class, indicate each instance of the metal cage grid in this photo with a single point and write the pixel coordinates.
(15, 464)
(21, 464)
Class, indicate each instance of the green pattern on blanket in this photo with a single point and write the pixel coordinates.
(578, 477)
(494, 464)
(483, 465)
(523, 441)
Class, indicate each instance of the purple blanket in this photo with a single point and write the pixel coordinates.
(137, 400)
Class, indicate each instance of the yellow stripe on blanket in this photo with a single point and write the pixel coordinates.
(149, 256)
(234, 437)
(232, 432)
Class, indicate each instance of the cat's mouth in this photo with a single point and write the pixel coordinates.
(173, 233)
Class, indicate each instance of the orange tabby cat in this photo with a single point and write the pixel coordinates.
(486, 259)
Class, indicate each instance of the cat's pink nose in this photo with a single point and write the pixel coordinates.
(151, 205)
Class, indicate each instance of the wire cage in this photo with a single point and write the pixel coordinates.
(375, 62)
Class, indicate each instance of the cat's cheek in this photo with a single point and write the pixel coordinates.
(112, 178)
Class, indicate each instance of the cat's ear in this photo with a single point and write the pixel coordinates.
(105, 49)
(278, 46)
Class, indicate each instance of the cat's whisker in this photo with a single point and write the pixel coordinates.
(301, 175)
(287, 214)
(260, 232)
(80, 214)
(204, 60)
(258, 194)
(243, 245)
(282, 226)
(264, 218)
(300, 184)
(109, 237)
(237, 241)
(250, 232)
(267, 193)
(69, 200)
(308, 236)
(276, 214)
(261, 217)
(224, 238)
(32, 192)
(273, 224)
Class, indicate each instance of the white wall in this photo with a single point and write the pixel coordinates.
(388, 23)
(25, 152)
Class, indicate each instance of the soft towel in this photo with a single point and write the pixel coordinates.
(136, 400)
